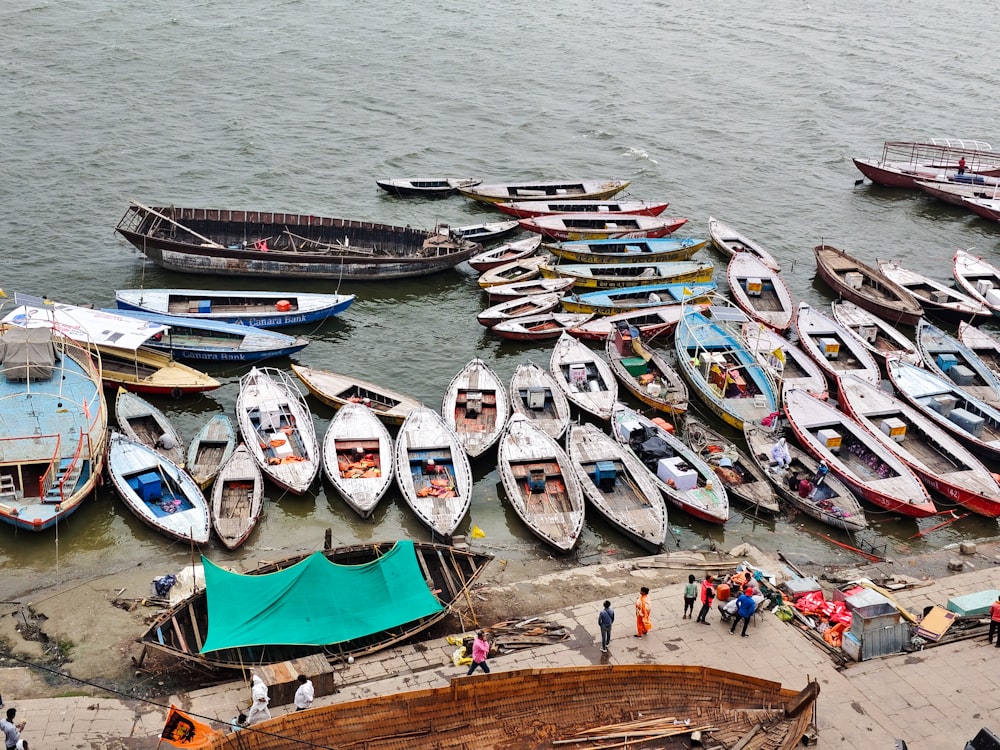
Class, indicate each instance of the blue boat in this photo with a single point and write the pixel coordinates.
(215, 341)
(719, 366)
(53, 433)
(261, 309)
(612, 301)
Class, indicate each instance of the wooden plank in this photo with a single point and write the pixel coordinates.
(180, 635)
(194, 626)
(453, 590)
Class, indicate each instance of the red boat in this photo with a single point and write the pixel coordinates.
(855, 457)
(589, 226)
(942, 463)
(904, 162)
(528, 209)
(548, 325)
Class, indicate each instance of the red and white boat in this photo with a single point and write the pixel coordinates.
(651, 322)
(941, 461)
(855, 456)
(954, 189)
(988, 208)
(934, 296)
(759, 291)
(505, 253)
(534, 304)
(528, 209)
(985, 345)
(835, 349)
(978, 278)
(878, 336)
(904, 162)
(527, 288)
(590, 226)
(539, 327)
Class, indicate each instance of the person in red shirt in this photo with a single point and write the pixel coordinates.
(995, 621)
(961, 165)
(707, 596)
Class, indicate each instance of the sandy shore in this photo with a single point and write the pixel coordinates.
(78, 627)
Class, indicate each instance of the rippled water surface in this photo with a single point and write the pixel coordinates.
(741, 111)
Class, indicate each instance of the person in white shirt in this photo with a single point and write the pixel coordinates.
(780, 455)
(258, 709)
(304, 694)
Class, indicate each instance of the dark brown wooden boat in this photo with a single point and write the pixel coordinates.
(448, 571)
(866, 286)
(282, 245)
(653, 705)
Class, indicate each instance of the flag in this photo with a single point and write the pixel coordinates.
(183, 731)
(779, 354)
(2, 293)
(477, 533)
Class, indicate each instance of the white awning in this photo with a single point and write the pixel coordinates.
(83, 324)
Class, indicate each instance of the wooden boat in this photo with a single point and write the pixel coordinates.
(535, 304)
(335, 389)
(741, 476)
(651, 323)
(974, 422)
(866, 286)
(880, 338)
(537, 396)
(475, 407)
(540, 482)
(985, 345)
(509, 273)
(714, 359)
(358, 457)
(527, 209)
(935, 297)
(683, 478)
(54, 426)
(645, 372)
(260, 309)
(635, 250)
(539, 327)
(489, 231)
(788, 365)
(831, 502)
(160, 493)
(237, 498)
(506, 253)
(425, 187)
(589, 226)
(613, 301)
(618, 486)
(618, 275)
(955, 188)
(759, 291)
(545, 190)
(939, 459)
(584, 376)
(537, 709)
(528, 288)
(151, 373)
(978, 278)
(954, 361)
(142, 422)
(215, 341)
(858, 459)
(729, 242)
(210, 449)
(449, 572)
(904, 162)
(118, 341)
(432, 470)
(286, 246)
(988, 208)
(835, 349)
(278, 429)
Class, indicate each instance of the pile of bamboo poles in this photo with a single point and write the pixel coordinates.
(633, 732)
(515, 635)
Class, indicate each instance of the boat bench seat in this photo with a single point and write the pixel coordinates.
(8, 489)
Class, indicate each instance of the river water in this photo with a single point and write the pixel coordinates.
(744, 112)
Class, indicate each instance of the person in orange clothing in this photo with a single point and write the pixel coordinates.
(642, 622)
(995, 621)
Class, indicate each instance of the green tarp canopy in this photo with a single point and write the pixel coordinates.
(316, 602)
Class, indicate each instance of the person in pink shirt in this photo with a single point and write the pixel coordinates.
(995, 621)
(480, 651)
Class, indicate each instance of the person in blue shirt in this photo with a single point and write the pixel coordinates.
(604, 621)
(745, 607)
